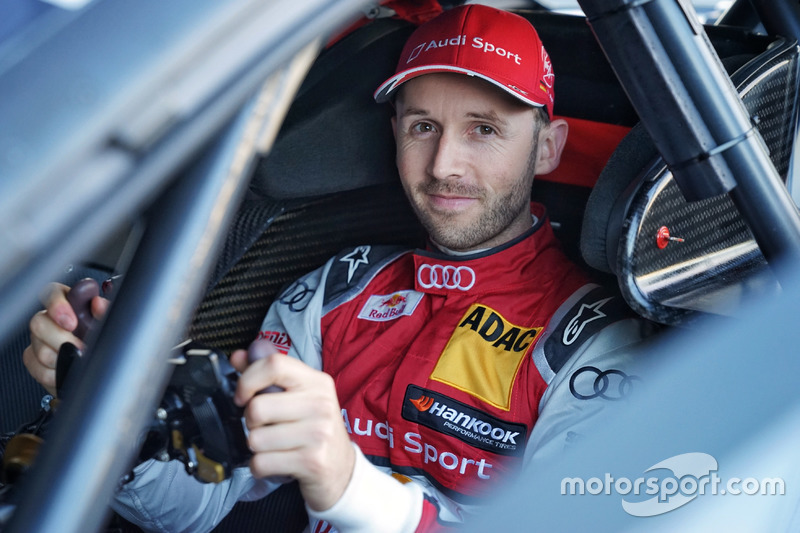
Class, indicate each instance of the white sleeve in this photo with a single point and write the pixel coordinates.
(163, 497)
(594, 358)
(603, 373)
(373, 501)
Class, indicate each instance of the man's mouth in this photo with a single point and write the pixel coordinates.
(451, 196)
(451, 202)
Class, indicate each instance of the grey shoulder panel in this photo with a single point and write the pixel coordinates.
(590, 309)
(353, 268)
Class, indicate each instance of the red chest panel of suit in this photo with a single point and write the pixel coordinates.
(432, 360)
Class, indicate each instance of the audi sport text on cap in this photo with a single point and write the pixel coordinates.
(478, 40)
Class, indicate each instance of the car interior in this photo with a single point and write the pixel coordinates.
(329, 182)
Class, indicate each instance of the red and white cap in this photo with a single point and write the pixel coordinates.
(497, 46)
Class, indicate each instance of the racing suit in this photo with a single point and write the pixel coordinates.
(451, 372)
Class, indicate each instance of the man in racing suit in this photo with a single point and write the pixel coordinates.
(451, 367)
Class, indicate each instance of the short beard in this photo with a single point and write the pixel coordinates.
(499, 213)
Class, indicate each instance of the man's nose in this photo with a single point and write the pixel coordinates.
(448, 158)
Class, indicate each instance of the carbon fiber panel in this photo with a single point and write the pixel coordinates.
(717, 258)
(297, 242)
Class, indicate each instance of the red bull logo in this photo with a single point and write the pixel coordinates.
(383, 307)
(394, 301)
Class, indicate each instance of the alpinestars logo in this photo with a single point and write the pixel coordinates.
(463, 422)
(586, 313)
(359, 256)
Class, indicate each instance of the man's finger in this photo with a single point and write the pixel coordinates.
(280, 407)
(279, 463)
(99, 306)
(276, 369)
(278, 437)
(238, 359)
(54, 299)
(46, 332)
(282, 371)
(44, 354)
(45, 376)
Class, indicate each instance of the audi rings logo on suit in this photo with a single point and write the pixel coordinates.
(445, 277)
(595, 383)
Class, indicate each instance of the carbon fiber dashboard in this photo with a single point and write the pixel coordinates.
(675, 256)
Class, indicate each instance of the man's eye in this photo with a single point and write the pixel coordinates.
(483, 129)
(423, 127)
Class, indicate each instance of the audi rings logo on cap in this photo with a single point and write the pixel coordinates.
(606, 384)
(445, 277)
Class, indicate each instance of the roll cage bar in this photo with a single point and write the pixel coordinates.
(697, 122)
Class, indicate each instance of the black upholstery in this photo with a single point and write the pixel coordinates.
(631, 158)
(298, 241)
(320, 148)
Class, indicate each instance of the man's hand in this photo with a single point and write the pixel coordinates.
(298, 432)
(51, 328)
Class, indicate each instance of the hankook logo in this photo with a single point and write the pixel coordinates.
(451, 417)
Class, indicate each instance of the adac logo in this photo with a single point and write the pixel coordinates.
(482, 340)
(494, 329)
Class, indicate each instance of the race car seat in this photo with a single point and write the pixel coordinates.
(678, 260)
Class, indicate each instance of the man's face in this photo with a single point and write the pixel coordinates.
(466, 155)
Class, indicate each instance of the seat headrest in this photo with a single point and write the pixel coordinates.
(600, 221)
(328, 141)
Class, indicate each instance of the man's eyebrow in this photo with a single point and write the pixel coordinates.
(414, 111)
(489, 116)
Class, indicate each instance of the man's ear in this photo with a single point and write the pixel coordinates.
(552, 139)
